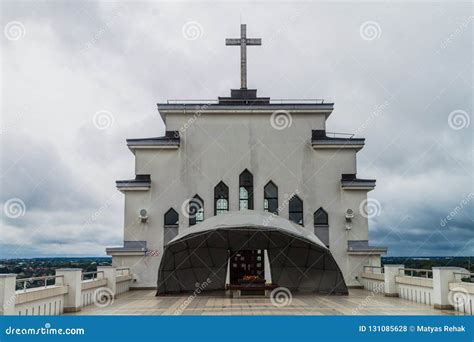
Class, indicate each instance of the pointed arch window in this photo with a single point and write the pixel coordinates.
(296, 210)
(221, 198)
(270, 198)
(321, 217)
(171, 218)
(321, 226)
(245, 190)
(196, 210)
(171, 226)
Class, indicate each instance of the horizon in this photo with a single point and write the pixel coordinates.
(109, 257)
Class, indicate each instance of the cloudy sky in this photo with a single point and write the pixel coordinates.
(400, 75)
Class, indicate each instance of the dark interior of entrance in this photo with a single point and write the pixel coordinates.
(248, 262)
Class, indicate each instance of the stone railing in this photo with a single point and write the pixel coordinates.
(33, 300)
(90, 287)
(124, 278)
(461, 292)
(442, 287)
(67, 291)
(372, 278)
(415, 285)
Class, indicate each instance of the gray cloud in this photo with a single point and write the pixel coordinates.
(122, 57)
(34, 172)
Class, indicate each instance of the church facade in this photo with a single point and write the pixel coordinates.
(249, 171)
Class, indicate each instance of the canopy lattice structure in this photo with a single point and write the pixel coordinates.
(298, 260)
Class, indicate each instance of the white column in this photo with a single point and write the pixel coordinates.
(227, 274)
(268, 271)
(390, 286)
(73, 280)
(442, 276)
(110, 273)
(7, 294)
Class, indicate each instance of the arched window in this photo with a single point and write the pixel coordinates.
(321, 227)
(196, 210)
(245, 190)
(321, 217)
(171, 228)
(296, 210)
(171, 218)
(270, 198)
(221, 198)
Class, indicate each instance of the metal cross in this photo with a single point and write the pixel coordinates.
(243, 41)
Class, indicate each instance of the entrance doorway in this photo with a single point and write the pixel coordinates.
(248, 262)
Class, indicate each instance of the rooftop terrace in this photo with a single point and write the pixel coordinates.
(387, 290)
(359, 302)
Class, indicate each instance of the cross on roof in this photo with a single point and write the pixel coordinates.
(243, 41)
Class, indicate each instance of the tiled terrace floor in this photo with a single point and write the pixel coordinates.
(359, 302)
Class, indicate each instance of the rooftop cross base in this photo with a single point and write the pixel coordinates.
(243, 97)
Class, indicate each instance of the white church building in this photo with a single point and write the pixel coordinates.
(246, 187)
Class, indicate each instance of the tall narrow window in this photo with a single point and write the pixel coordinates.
(270, 198)
(171, 227)
(321, 217)
(321, 226)
(245, 190)
(221, 198)
(196, 210)
(296, 210)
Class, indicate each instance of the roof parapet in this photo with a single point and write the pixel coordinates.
(129, 248)
(171, 140)
(349, 181)
(362, 247)
(140, 183)
(321, 140)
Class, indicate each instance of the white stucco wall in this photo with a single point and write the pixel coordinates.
(219, 147)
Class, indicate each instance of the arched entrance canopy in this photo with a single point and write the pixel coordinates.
(298, 260)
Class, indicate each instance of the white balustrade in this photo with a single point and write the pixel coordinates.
(67, 291)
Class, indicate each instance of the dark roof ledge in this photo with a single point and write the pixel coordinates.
(129, 248)
(349, 181)
(171, 140)
(362, 247)
(320, 139)
(140, 183)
